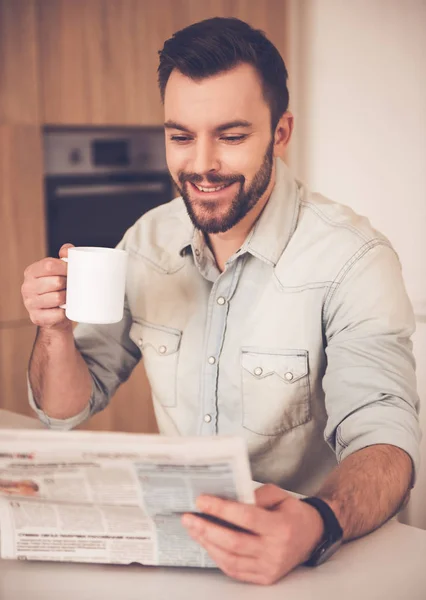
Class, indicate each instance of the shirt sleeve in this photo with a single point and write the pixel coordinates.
(110, 356)
(370, 382)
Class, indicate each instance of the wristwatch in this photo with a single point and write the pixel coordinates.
(333, 533)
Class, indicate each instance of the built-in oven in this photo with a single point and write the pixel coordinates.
(98, 182)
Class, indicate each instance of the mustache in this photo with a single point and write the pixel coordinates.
(213, 178)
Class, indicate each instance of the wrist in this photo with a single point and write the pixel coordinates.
(59, 334)
(315, 527)
(332, 532)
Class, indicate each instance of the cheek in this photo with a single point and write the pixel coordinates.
(175, 164)
(172, 160)
(245, 159)
(178, 159)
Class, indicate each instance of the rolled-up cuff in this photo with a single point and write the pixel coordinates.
(59, 424)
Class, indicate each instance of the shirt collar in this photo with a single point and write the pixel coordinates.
(272, 231)
(274, 228)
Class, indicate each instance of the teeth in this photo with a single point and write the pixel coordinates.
(216, 189)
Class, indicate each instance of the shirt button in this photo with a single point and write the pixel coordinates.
(258, 371)
(211, 360)
(140, 342)
(289, 376)
(207, 418)
(162, 349)
(221, 300)
(197, 253)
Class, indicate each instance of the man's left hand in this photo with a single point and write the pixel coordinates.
(284, 532)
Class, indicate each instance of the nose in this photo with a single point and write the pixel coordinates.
(205, 157)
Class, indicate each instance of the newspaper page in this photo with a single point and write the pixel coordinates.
(112, 497)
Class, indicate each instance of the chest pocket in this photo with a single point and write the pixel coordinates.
(160, 351)
(275, 390)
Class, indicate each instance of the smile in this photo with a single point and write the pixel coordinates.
(210, 189)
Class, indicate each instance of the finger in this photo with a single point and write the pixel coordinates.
(44, 285)
(63, 251)
(49, 300)
(239, 567)
(242, 544)
(270, 496)
(48, 317)
(45, 301)
(46, 267)
(51, 284)
(247, 516)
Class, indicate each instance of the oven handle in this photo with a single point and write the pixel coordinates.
(100, 190)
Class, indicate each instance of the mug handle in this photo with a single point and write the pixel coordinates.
(63, 305)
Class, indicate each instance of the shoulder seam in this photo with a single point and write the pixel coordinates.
(341, 275)
(325, 218)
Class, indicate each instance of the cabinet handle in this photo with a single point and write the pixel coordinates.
(99, 190)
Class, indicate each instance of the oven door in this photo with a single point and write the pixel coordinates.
(98, 214)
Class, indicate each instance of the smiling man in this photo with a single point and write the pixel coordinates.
(260, 309)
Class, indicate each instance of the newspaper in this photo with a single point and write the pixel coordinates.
(112, 497)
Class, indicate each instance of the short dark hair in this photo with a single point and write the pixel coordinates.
(217, 45)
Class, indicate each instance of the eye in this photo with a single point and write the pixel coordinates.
(180, 139)
(234, 139)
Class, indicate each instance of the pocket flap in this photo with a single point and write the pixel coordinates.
(164, 341)
(290, 366)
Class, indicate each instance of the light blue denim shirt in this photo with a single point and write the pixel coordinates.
(302, 345)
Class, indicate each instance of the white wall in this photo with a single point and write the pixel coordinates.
(358, 92)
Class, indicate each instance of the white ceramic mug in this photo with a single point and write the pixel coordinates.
(96, 282)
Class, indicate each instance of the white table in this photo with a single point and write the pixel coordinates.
(389, 564)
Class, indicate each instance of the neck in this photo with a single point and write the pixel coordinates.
(224, 245)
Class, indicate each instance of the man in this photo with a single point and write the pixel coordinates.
(260, 309)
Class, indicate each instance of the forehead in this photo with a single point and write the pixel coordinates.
(235, 94)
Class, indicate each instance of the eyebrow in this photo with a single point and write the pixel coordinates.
(218, 129)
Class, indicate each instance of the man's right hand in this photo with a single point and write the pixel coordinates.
(44, 289)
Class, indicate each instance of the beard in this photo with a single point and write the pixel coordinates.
(203, 214)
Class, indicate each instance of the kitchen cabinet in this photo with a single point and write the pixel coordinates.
(98, 59)
(22, 222)
(19, 80)
(16, 342)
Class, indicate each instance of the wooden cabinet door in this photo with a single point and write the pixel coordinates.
(22, 221)
(19, 81)
(98, 62)
(16, 343)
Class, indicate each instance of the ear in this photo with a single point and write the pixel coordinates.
(283, 133)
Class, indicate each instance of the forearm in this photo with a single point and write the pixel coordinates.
(59, 377)
(368, 488)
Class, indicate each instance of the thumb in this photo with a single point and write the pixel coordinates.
(270, 496)
(63, 251)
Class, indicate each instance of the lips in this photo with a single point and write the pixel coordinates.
(211, 192)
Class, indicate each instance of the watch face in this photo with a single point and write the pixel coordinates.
(326, 550)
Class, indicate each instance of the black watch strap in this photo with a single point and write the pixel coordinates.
(333, 533)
